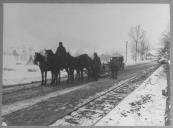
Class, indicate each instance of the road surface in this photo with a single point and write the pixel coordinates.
(43, 105)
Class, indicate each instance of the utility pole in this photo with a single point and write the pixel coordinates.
(136, 52)
(126, 50)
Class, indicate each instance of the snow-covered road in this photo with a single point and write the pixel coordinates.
(144, 107)
(47, 104)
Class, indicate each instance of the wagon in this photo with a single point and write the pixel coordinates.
(116, 63)
(118, 60)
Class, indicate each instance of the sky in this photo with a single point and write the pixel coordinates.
(82, 27)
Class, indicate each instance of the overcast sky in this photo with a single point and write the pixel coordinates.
(103, 27)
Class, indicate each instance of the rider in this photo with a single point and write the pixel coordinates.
(97, 64)
(61, 51)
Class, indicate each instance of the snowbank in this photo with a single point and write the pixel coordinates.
(144, 107)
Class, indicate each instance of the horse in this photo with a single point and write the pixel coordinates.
(54, 65)
(84, 62)
(72, 65)
(79, 63)
(40, 60)
(63, 63)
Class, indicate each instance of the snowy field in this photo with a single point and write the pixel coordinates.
(144, 107)
(20, 74)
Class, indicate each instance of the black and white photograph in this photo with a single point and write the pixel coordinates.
(85, 64)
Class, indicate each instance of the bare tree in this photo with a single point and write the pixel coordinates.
(137, 35)
(143, 49)
(164, 51)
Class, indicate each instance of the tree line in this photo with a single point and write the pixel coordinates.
(140, 45)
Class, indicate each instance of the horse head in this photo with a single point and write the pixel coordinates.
(37, 58)
(49, 55)
(49, 52)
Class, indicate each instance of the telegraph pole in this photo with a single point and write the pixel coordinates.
(136, 52)
(126, 50)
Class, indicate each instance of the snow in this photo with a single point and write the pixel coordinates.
(19, 74)
(4, 124)
(144, 107)
(87, 117)
(138, 62)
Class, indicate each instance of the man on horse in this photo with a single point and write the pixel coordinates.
(61, 54)
(62, 57)
(61, 51)
(97, 65)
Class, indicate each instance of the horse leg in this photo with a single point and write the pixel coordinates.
(67, 75)
(72, 75)
(76, 75)
(52, 81)
(89, 73)
(116, 74)
(58, 75)
(55, 77)
(45, 77)
(42, 77)
(82, 74)
(68, 79)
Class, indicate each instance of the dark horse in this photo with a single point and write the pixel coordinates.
(46, 63)
(41, 61)
(63, 64)
(79, 63)
(53, 64)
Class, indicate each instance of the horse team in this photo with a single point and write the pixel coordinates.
(55, 63)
